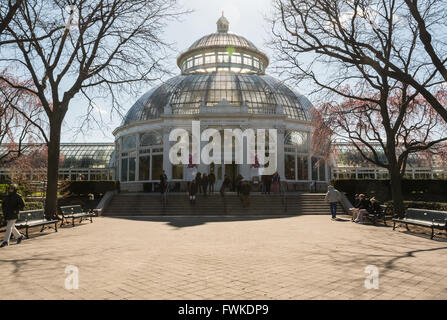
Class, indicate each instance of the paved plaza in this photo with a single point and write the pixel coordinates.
(301, 257)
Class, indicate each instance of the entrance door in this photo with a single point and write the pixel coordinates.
(232, 171)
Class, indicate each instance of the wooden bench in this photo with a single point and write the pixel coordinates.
(424, 218)
(74, 212)
(33, 218)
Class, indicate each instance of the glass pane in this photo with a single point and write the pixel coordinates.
(289, 166)
(177, 171)
(124, 163)
(322, 169)
(157, 166)
(144, 168)
(129, 142)
(132, 166)
(302, 168)
(150, 139)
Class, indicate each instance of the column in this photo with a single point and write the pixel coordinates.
(167, 166)
(309, 167)
(280, 153)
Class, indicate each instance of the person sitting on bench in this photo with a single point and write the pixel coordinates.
(375, 207)
(360, 209)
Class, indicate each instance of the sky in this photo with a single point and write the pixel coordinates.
(247, 18)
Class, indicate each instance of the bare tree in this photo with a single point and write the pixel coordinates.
(372, 48)
(104, 47)
(382, 36)
(7, 11)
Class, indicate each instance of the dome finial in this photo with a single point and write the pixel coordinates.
(222, 24)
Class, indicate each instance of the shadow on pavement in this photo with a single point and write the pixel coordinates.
(190, 221)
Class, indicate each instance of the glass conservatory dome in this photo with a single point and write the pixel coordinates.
(220, 68)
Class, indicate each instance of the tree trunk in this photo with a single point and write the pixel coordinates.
(396, 192)
(53, 169)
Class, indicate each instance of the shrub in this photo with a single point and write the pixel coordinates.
(441, 206)
(4, 190)
(83, 188)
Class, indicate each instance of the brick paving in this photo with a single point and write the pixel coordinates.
(302, 257)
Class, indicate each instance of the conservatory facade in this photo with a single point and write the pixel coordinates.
(224, 86)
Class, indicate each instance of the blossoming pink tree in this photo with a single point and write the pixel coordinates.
(397, 124)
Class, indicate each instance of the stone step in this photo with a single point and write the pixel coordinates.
(178, 204)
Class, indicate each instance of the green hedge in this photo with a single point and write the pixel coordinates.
(82, 188)
(413, 190)
(4, 190)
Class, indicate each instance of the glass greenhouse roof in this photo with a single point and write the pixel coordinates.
(92, 155)
(80, 155)
(222, 39)
(186, 93)
(221, 67)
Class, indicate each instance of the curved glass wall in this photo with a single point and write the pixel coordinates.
(140, 157)
(223, 60)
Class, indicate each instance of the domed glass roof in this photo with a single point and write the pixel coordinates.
(185, 94)
(224, 40)
(220, 68)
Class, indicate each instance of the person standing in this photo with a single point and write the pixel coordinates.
(163, 182)
(268, 183)
(238, 183)
(11, 206)
(212, 181)
(193, 189)
(276, 180)
(333, 196)
(199, 181)
(245, 191)
(204, 183)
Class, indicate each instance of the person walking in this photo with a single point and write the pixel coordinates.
(204, 183)
(211, 181)
(11, 206)
(333, 196)
(193, 189)
(276, 180)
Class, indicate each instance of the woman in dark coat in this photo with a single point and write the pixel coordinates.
(11, 206)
